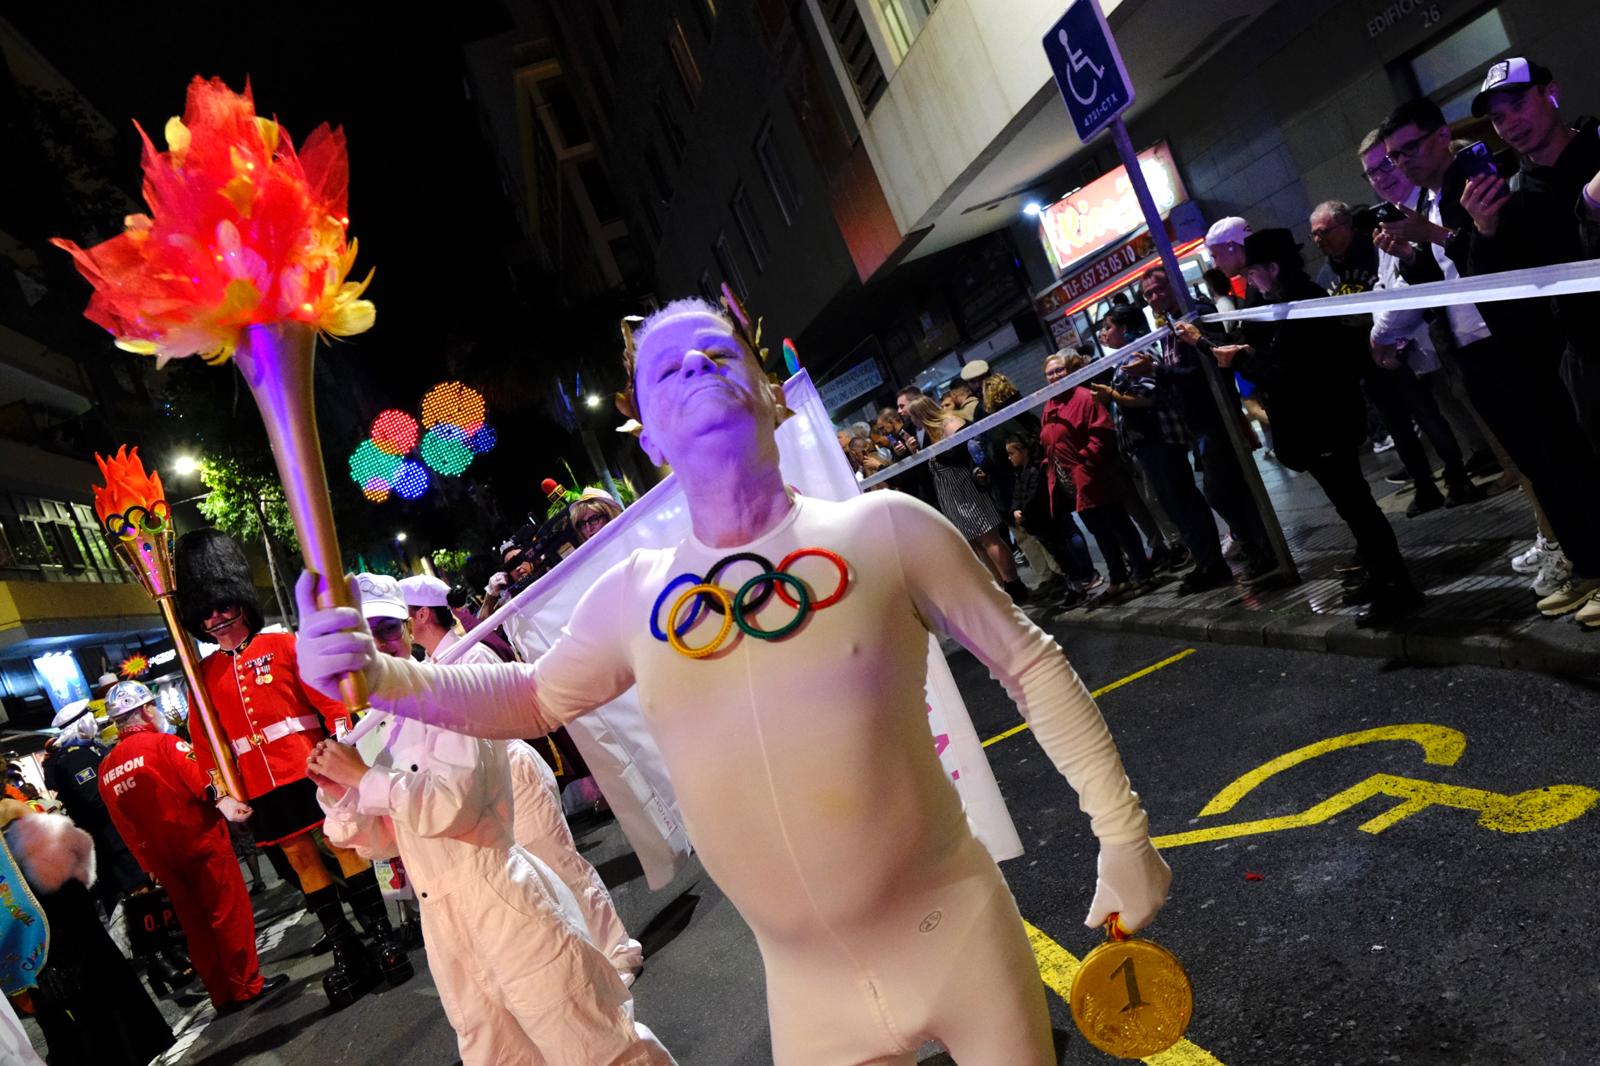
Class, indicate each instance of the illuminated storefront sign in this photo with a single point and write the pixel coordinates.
(63, 678)
(1107, 208)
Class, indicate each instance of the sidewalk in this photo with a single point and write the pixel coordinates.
(1478, 611)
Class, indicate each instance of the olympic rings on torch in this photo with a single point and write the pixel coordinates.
(736, 608)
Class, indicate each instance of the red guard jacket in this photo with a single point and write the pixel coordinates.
(269, 718)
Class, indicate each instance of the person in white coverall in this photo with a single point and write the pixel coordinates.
(517, 975)
(540, 824)
(804, 767)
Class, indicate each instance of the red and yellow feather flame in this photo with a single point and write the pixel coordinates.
(131, 502)
(242, 231)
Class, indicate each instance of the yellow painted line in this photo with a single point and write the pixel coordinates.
(1146, 672)
(1057, 966)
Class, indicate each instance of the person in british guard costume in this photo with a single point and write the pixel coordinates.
(272, 721)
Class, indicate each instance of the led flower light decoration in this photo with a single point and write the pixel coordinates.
(134, 515)
(244, 255)
(453, 415)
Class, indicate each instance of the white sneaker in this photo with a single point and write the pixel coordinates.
(1554, 572)
(1232, 548)
(1384, 445)
(1530, 561)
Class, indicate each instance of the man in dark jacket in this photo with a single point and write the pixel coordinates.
(1400, 398)
(72, 771)
(1311, 372)
(1509, 351)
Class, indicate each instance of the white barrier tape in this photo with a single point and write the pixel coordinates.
(1012, 410)
(1530, 283)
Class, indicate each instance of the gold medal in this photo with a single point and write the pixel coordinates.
(1130, 997)
(263, 679)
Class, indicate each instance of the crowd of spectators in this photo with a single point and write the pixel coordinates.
(1505, 395)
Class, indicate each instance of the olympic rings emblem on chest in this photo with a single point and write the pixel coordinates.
(704, 594)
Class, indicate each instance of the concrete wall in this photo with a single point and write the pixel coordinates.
(1268, 128)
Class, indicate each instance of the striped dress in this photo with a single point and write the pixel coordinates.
(967, 506)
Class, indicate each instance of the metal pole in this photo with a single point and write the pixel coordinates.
(1229, 410)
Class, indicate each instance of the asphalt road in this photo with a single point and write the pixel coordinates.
(1458, 929)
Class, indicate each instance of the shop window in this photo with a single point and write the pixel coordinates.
(1451, 69)
(777, 174)
(744, 217)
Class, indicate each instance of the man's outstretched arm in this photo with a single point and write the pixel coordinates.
(584, 669)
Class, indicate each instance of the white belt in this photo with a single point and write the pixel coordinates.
(277, 731)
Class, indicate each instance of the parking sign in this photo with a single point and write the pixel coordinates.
(1088, 68)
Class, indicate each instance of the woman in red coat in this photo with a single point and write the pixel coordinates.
(1080, 448)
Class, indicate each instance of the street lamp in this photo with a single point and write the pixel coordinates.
(400, 538)
(184, 465)
(1032, 208)
(591, 401)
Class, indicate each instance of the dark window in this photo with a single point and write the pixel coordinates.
(730, 266)
(658, 174)
(564, 109)
(849, 34)
(744, 217)
(683, 62)
(670, 130)
(601, 198)
(777, 174)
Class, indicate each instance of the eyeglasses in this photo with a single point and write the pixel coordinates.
(1399, 155)
(594, 521)
(1385, 166)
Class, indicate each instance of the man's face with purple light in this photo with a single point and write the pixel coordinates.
(697, 386)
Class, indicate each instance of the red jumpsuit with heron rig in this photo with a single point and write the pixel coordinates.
(157, 796)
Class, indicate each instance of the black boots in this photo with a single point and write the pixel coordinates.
(366, 899)
(354, 971)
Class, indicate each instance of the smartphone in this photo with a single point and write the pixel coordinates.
(1388, 213)
(1475, 160)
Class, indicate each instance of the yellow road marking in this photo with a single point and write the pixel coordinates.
(1440, 745)
(1057, 966)
(1146, 672)
(1521, 812)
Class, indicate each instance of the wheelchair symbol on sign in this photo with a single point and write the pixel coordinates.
(1079, 61)
(1520, 812)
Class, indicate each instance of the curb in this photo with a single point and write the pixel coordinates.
(1541, 645)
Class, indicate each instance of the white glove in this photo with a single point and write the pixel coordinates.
(233, 810)
(332, 641)
(497, 584)
(1133, 883)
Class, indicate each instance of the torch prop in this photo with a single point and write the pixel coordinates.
(244, 255)
(137, 521)
(277, 362)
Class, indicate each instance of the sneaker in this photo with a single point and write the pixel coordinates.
(1553, 573)
(1589, 614)
(1352, 565)
(1384, 445)
(1399, 477)
(1425, 501)
(1178, 557)
(1233, 548)
(1095, 581)
(1528, 562)
(1463, 494)
(1572, 595)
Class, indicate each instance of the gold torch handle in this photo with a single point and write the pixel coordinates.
(216, 739)
(277, 363)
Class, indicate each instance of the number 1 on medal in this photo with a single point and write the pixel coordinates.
(1132, 981)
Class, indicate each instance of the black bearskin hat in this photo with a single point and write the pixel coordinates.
(212, 575)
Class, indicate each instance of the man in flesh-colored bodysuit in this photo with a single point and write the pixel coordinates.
(804, 767)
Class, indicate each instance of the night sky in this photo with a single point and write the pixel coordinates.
(425, 196)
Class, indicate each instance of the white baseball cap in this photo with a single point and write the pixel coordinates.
(1230, 230)
(380, 597)
(1508, 74)
(424, 590)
